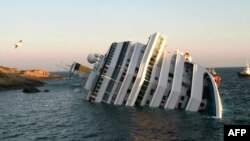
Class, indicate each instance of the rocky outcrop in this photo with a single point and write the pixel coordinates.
(38, 74)
(34, 74)
(12, 78)
(13, 81)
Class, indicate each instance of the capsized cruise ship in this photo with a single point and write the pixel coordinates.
(137, 74)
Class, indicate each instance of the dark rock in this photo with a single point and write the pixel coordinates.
(46, 90)
(31, 90)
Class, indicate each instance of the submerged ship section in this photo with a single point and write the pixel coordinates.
(135, 74)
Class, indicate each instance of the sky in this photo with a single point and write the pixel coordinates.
(59, 32)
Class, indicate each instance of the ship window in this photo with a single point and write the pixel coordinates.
(154, 55)
(147, 77)
(141, 93)
(171, 75)
(140, 97)
(144, 88)
(188, 92)
(185, 84)
(152, 91)
(145, 83)
(133, 80)
(124, 102)
(136, 70)
(182, 97)
(156, 78)
(105, 97)
(202, 104)
(122, 78)
(179, 105)
(150, 68)
(150, 63)
(128, 91)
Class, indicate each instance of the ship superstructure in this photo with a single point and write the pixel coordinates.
(136, 74)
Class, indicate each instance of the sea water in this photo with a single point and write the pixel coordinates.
(62, 114)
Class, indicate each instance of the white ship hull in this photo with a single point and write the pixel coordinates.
(134, 74)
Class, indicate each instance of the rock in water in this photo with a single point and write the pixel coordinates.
(31, 90)
(46, 90)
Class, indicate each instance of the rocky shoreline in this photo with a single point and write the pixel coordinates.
(12, 78)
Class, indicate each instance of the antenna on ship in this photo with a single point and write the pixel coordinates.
(65, 67)
(71, 69)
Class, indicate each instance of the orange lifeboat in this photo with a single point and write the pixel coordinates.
(217, 78)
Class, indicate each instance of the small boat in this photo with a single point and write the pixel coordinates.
(245, 72)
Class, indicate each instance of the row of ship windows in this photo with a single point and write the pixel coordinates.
(164, 98)
(111, 53)
(108, 61)
(117, 70)
(148, 75)
(125, 70)
(141, 94)
(122, 77)
(98, 85)
(147, 82)
(133, 80)
(105, 96)
(149, 72)
(136, 70)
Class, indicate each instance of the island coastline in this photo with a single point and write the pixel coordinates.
(13, 78)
